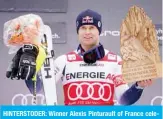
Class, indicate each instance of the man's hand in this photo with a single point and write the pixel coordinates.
(24, 63)
(144, 83)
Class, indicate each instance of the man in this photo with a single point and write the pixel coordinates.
(90, 75)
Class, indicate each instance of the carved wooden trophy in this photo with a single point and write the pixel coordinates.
(139, 47)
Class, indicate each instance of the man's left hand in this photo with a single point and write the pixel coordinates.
(145, 83)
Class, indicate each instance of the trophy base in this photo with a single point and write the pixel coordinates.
(139, 73)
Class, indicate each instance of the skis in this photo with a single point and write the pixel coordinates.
(47, 70)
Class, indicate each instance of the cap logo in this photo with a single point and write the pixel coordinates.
(77, 23)
(87, 19)
(99, 24)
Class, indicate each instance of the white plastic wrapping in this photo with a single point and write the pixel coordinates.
(26, 29)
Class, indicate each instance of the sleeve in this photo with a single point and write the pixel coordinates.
(59, 65)
(124, 94)
(131, 95)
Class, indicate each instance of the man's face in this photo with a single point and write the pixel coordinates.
(88, 35)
